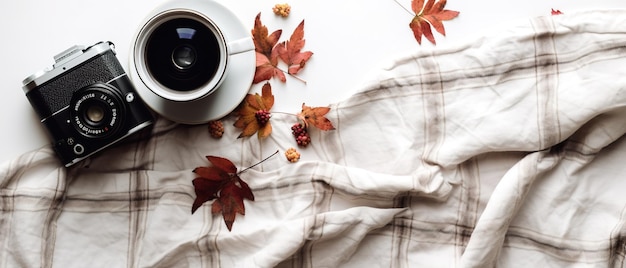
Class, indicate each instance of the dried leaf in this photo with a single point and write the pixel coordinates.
(266, 69)
(221, 181)
(269, 51)
(290, 51)
(429, 13)
(263, 41)
(248, 113)
(316, 116)
(266, 55)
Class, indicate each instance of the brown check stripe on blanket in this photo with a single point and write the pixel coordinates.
(503, 151)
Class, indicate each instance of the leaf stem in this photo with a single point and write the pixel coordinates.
(403, 7)
(285, 113)
(264, 159)
(292, 75)
(298, 78)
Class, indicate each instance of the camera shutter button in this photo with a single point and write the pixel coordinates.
(79, 149)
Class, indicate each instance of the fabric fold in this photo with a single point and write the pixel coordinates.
(505, 150)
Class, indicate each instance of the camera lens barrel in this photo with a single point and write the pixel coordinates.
(97, 111)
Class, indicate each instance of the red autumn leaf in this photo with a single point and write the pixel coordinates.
(316, 116)
(429, 13)
(269, 52)
(266, 55)
(266, 69)
(290, 51)
(556, 12)
(253, 113)
(221, 182)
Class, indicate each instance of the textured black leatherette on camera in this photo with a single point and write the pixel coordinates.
(57, 93)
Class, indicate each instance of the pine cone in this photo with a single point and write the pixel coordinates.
(216, 129)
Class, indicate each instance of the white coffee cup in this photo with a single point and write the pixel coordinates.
(181, 54)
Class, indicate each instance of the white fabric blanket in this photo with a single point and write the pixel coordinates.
(504, 151)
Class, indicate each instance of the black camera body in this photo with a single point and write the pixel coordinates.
(86, 102)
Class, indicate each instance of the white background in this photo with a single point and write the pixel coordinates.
(350, 39)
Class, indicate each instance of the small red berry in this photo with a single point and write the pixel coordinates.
(297, 129)
(303, 140)
(301, 135)
(262, 117)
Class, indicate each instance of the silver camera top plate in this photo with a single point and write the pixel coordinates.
(64, 62)
(68, 55)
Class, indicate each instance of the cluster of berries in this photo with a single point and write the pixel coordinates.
(292, 155)
(262, 117)
(301, 134)
(282, 9)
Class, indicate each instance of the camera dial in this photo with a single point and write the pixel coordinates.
(96, 110)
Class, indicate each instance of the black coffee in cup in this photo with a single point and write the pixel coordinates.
(183, 54)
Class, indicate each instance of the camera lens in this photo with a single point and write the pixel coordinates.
(94, 114)
(97, 110)
(182, 54)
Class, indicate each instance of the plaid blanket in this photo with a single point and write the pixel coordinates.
(503, 151)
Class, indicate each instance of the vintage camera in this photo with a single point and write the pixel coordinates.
(86, 101)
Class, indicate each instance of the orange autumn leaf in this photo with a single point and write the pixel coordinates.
(429, 13)
(253, 114)
(289, 51)
(316, 116)
(269, 52)
(266, 55)
(263, 41)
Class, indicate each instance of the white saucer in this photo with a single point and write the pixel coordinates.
(239, 71)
